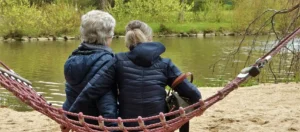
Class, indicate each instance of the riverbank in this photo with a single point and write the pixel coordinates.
(264, 107)
(185, 27)
(180, 35)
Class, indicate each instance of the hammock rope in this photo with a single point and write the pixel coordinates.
(23, 90)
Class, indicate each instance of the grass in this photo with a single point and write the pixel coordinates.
(182, 27)
(196, 26)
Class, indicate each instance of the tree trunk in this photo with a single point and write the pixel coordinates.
(102, 4)
(105, 4)
(181, 13)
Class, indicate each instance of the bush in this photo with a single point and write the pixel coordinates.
(60, 19)
(164, 29)
(247, 10)
(148, 10)
(18, 18)
(193, 31)
(228, 7)
(213, 11)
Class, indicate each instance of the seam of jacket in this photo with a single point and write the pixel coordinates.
(102, 71)
(101, 58)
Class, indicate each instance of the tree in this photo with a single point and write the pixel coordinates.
(181, 13)
(279, 18)
(213, 10)
(147, 10)
(105, 4)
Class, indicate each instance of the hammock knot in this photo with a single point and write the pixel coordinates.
(101, 123)
(81, 119)
(142, 124)
(121, 124)
(82, 122)
(163, 120)
(63, 116)
(61, 112)
(182, 113)
(202, 107)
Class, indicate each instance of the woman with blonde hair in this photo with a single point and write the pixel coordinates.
(141, 75)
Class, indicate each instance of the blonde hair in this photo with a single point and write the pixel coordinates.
(97, 26)
(137, 32)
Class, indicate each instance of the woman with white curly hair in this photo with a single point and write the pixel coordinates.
(97, 30)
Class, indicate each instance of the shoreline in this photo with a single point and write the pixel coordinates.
(172, 35)
(263, 107)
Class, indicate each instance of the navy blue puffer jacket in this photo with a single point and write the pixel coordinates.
(79, 69)
(141, 75)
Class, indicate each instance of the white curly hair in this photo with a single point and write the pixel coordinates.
(97, 26)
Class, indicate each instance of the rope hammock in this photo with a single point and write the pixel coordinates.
(23, 90)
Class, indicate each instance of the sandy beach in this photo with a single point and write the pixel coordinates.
(261, 108)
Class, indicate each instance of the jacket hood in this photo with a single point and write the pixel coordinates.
(83, 61)
(145, 54)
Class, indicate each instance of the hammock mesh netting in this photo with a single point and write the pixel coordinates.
(23, 90)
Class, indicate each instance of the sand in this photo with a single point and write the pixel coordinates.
(13, 121)
(262, 108)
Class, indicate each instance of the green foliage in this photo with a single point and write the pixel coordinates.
(20, 18)
(213, 10)
(62, 17)
(83, 4)
(250, 82)
(228, 7)
(210, 11)
(164, 30)
(247, 10)
(297, 77)
(198, 5)
(40, 2)
(148, 10)
(59, 19)
(191, 27)
(184, 8)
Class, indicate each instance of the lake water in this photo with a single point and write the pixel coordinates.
(42, 63)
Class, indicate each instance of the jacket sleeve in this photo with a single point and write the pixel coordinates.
(102, 83)
(186, 88)
(107, 107)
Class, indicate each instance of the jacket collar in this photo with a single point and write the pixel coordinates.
(94, 47)
(87, 49)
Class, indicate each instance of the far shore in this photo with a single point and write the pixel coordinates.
(66, 38)
(260, 108)
(172, 35)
